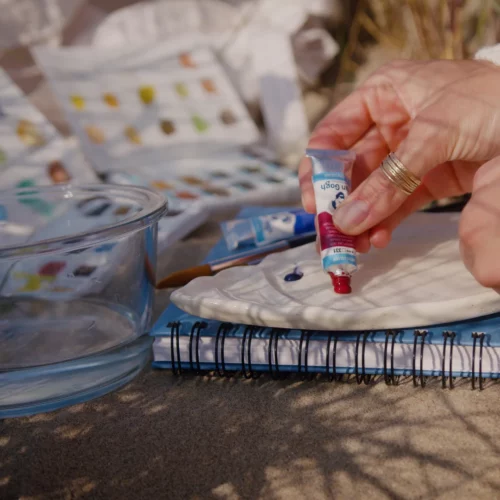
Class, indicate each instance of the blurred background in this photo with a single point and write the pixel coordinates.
(335, 44)
(367, 33)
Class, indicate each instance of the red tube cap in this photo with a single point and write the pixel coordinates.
(341, 284)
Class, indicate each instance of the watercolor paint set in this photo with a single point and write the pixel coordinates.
(144, 105)
(32, 152)
(76, 273)
(197, 188)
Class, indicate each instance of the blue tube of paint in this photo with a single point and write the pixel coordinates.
(265, 229)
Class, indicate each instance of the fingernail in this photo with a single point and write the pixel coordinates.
(350, 214)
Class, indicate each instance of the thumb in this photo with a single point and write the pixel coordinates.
(479, 230)
(376, 198)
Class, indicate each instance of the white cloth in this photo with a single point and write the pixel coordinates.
(27, 22)
(231, 28)
(490, 53)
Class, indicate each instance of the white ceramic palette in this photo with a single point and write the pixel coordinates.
(197, 188)
(145, 104)
(31, 150)
(418, 280)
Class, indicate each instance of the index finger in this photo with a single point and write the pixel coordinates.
(348, 122)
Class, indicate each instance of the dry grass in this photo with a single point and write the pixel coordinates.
(416, 29)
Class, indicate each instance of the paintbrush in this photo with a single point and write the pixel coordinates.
(181, 278)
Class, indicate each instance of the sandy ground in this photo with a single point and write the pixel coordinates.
(196, 438)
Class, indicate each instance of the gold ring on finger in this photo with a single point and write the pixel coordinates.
(399, 175)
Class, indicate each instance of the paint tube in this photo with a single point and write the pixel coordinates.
(264, 229)
(332, 183)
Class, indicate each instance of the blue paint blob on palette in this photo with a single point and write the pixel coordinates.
(295, 275)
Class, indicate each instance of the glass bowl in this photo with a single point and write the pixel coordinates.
(77, 273)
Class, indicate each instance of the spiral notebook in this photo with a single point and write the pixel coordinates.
(184, 342)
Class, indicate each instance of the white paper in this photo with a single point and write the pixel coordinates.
(24, 22)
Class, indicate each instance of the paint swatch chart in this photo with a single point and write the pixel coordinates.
(196, 188)
(31, 150)
(68, 275)
(144, 105)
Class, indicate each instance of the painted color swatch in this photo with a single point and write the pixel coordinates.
(32, 282)
(186, 61)
(208, 85)
(200, 124)
(182, 90)
(28, 133)
(84, 271)
(147, 94)
(57, 173)
(77, 101)
(52, 268)
(111, 100)
(161, 185)
(219, 174)
(95, 134)
(122, 210)
(167, 127)
(192, 180)
(216, 191)
(186, 195)
(227, 117)
(245, 185)
(132, 135)
(251, 169)
(38, 205)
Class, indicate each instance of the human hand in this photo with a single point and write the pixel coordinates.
(442, 120)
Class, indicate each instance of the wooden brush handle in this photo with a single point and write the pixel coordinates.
(181, 278)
